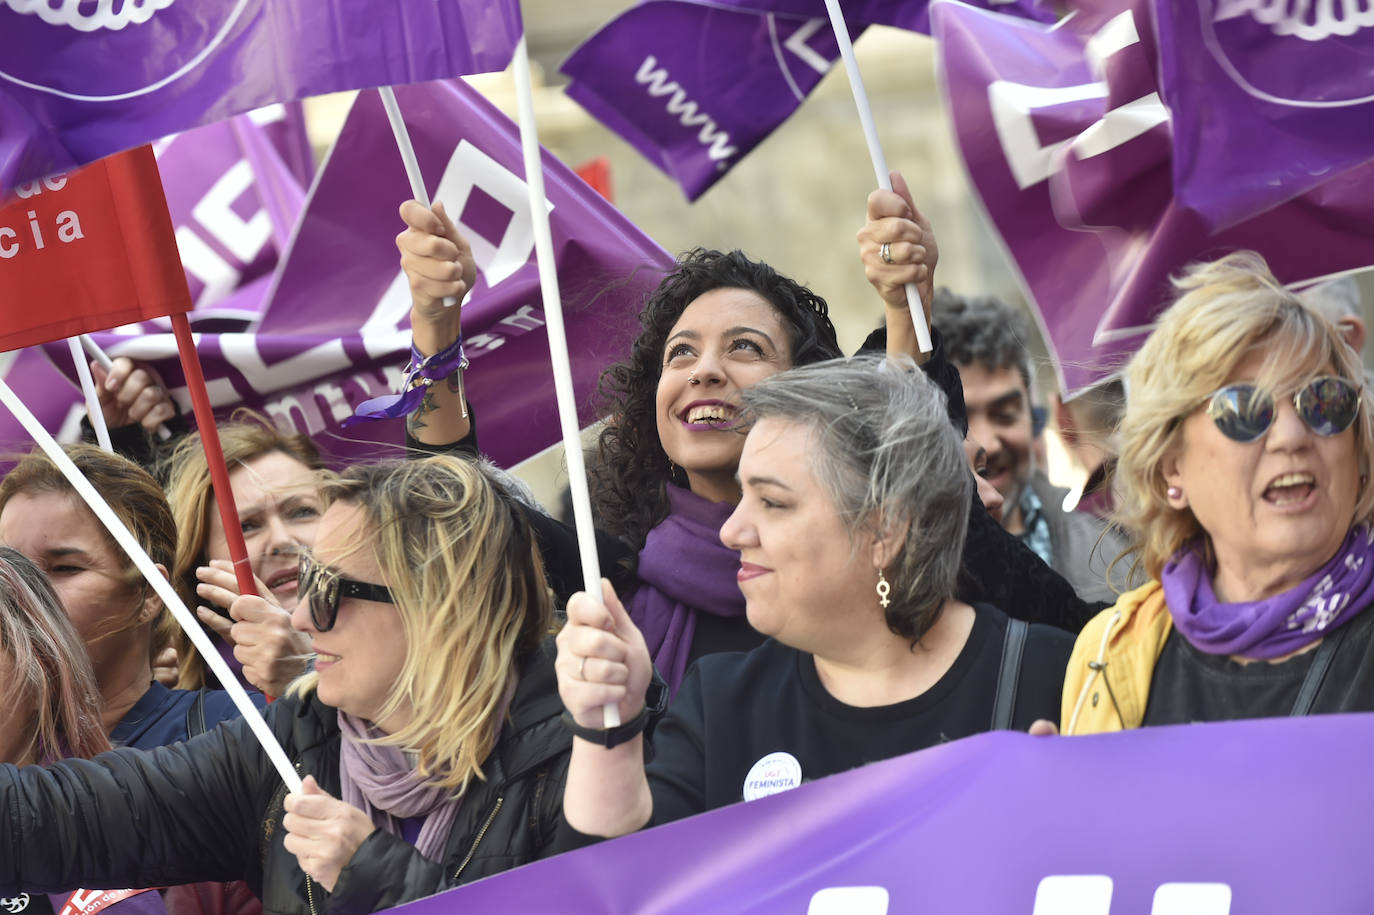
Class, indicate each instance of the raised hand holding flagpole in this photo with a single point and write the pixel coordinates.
(875, 151)
(417, 178)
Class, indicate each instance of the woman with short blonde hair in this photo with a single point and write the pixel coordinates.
(1244, 485)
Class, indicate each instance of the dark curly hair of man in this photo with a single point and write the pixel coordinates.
(629, 478)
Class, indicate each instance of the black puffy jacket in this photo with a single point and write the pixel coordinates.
(211, 809)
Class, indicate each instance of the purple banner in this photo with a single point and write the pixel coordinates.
(695, 88)
(1270, 99)
(334, 329)
(1254, 817)
(79, 81)
(1067, 145)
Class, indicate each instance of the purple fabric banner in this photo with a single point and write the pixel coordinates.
(1270, 99)
(330, 328)
(79, 81)
(1067, 146)
(1254, 817)
(695, 88)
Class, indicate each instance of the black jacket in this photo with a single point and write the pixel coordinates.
(211, 809)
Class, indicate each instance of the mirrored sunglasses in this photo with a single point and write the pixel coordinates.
(1328, 405)
(324, 590)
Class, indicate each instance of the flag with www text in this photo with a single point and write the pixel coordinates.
(333, 329)
(694, 87)
(1068, 147)
(79, 81)
(1263, 817)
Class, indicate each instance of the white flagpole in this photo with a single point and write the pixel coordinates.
(417, 180)
(97, 415)
(558, 340)
(875, 151)
(159, 584)
(99, 355)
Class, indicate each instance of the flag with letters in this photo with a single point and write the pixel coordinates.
(86, 251)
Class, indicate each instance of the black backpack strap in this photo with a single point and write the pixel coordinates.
(195, 715)
(1013, 647)
(1316, 674)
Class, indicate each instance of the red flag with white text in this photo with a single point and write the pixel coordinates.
(87, 251)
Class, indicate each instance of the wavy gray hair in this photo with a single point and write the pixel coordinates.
(886, 455)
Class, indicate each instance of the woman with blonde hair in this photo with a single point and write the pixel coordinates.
(275, 478)
(1244, 484)
(428, 732)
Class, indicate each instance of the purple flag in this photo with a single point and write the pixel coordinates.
(1067, 145)
(79, 81)
(1270, 99)
(695, 88)
(1254, 817)
(913, 15)
(334, 330)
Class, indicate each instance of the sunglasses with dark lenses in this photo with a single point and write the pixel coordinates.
(1328, 405)
(324, 589)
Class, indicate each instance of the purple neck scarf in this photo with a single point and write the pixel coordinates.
(684, 570)
(382, 783)
(1274, 626)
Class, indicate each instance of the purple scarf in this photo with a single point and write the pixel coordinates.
(684, 569)
(1274, 626)
(382, 783)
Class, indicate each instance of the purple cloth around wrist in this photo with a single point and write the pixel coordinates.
(422, 372)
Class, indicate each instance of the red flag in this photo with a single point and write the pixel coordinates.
(87, 251)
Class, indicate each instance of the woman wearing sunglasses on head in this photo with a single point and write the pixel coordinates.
(1244, 483)
(428, 733)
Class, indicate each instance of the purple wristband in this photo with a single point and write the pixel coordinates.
(422, 372)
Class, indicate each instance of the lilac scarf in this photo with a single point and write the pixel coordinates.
(1274, 626)
(383, 784)
(684, 570)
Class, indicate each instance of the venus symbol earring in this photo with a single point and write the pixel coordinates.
(884, 589)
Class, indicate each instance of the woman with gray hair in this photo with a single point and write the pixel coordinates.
(848, 563)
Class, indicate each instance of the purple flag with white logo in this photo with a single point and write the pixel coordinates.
(333, 330)
(79, 81)
(695, 88)
(1067, 145)
(1270, 99)
(1253, 817)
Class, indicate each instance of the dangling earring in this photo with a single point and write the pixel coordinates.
(884, 589)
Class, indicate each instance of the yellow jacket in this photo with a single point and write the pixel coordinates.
(1107, 682)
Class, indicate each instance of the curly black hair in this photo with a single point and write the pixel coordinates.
(628, 480)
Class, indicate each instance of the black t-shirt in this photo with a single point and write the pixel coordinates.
(743, 726)
(1190, 685)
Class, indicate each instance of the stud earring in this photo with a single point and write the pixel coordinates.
(884, 589)
(1174, 492)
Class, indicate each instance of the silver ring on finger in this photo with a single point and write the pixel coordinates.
(582, 669)
(886, 253)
